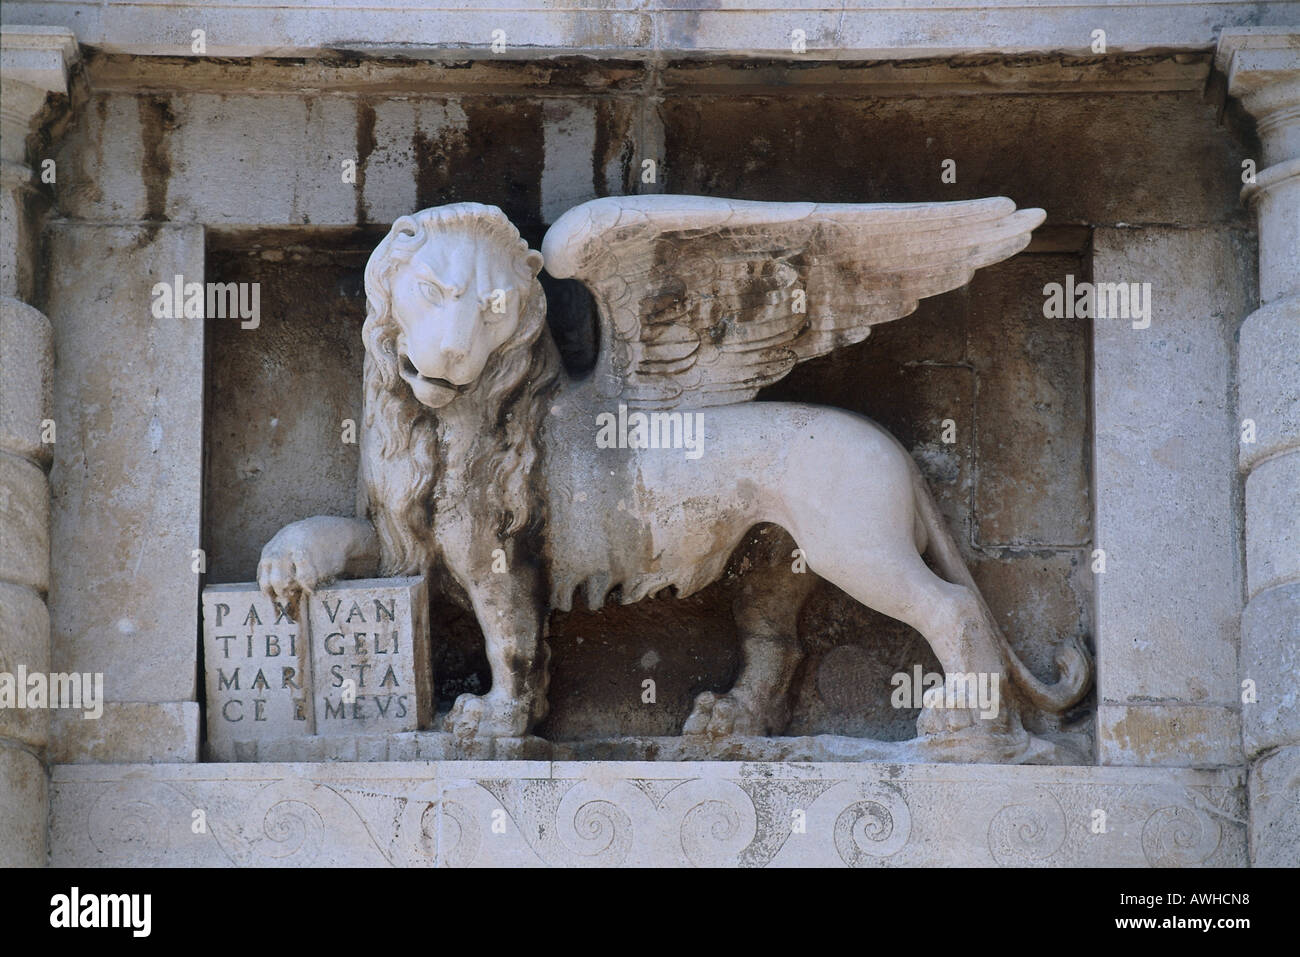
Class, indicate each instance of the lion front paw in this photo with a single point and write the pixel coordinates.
(479, 717)
(729, 714)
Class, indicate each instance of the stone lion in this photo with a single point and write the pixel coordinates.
(485, 466)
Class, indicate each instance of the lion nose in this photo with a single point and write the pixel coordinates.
(455, 347)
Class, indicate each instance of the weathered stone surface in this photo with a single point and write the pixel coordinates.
(570, 144)
(1165, 457)
(126, 475)
(1270, 658)
(370, 657)
(1269, 388)
(1169, 735)
(24, 523)
(277, 453)
(1039, 597)
(23, 804)
(258, 663)
(25, 641)
(1273, 523)
(17, 251)
(165, 732)
(1277, 205)
(645, 814)
(296, 28)
(1274, 809)
(1032, 440)
(800, 145)
(187, 155)
(26, 379)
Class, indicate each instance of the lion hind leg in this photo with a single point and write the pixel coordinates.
(890, 577)
(767, 616)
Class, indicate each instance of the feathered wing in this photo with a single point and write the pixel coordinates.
(705, 301)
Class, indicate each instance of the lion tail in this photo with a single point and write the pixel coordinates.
(1072, 660)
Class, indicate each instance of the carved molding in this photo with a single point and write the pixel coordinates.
(34, 61)
(609, 814)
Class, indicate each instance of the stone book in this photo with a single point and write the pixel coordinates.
(355, 660)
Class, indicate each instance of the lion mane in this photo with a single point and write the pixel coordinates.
(488, 438)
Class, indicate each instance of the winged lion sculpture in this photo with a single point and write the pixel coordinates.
(482, 463)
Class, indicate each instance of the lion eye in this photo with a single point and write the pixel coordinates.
(431, 292)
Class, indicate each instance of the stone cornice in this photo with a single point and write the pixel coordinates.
(1262, 67)
(38, 56)
(852, 29)
(1258, 57)
(34, 61)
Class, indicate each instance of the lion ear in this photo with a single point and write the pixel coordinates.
(534, 260)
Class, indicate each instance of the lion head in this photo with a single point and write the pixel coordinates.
(457, 372)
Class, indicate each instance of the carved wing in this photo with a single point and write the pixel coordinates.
(705, 301)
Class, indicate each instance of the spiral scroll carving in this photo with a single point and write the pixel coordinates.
(869, 830)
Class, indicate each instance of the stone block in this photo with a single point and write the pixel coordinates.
(1039, 598)
(646, 814)
(24, 796)
(1274, 789)
(1268, 388)
(154, 732)
(1169, 735)
(26, 380)
(1031, 413)
(24, 641)
(1270, 659)
(24, 523)
(570, 144)
(1168, 604)
(127, 472)
(1273, 522)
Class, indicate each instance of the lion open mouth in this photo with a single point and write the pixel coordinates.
(413, 375)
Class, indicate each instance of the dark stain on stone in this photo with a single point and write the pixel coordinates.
(610, 129)
(612, 141)
(157, 123)
(365, 146)
(600, 149)
(497, 160)
(430, 167)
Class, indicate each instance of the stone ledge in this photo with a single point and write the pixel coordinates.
(860, 29)
(659, 814)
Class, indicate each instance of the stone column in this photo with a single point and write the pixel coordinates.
(34, 61)
(1262, 66)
